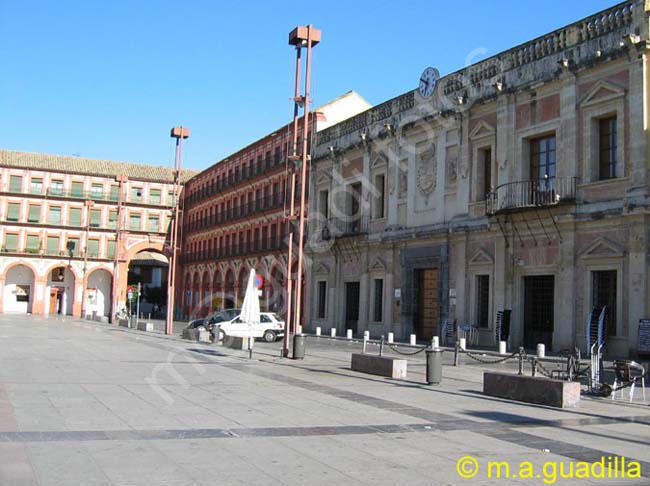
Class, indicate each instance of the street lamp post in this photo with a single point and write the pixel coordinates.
(179, 133)
(307, 37)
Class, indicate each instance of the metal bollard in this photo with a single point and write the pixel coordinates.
(521, 360)
(365, 343)
(381, 346)
(391, 337)
(434, 366)
(533, 367)
(298, 346)
(349, 333)
(463, 344)
(435, 342)
(413, 340)
(541, 350)
(456, 353)
(318, 331)
(333, 332)
(366, 335)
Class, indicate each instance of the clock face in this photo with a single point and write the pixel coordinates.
(428, 81)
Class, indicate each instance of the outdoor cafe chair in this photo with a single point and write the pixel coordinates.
(628, 373)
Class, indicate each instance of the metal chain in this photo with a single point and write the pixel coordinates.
(540, 367)
(405, 354)
(485, 361)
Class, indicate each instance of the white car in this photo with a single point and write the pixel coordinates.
(270, 327)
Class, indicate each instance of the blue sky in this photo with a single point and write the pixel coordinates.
(109, 79)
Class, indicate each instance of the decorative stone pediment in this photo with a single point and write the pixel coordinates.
(321, 269)
(601, 92)
(603, 248)
(379, 160)
(481, 257)
(378, 266)
(324, 177)
(482, 130)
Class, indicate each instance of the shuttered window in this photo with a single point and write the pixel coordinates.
(154, 196)
(34, 215)
(77, 189)
(112, 219)
(52, 245)
(32, 244)
(110, 249)
(54, 216)
(95, 218)
(11, 242)
(75, 217)
(15, 183)
(93, 248)
(72, 245)
(13, 211)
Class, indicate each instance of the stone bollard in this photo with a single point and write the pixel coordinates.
(318, 331)
(391, 337)
(541, 350)
(299, 330)
(435, 342)
(413, 340)
(366, 335)
(502, 347)
(333, 332)
(349, 333)
(463, 344)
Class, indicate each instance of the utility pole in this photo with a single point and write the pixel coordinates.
(307, 37)
(179, 133)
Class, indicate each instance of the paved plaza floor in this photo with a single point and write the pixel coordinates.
(91, 404)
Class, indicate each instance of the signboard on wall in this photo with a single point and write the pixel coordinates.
(644, 337)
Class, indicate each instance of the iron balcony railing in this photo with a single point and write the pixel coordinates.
(519, 195)
(345, 226)
(260, 245)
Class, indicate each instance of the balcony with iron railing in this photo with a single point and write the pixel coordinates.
(344, 226)
(261, 245)
(531, 194)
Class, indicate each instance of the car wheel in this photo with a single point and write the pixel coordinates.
(270, 336)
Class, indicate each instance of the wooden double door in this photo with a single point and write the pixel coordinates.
(426, 319)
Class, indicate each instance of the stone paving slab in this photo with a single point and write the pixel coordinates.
(88, 403)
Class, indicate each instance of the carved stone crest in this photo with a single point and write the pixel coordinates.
(426, 171)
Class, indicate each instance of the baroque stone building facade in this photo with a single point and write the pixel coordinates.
(521, 184)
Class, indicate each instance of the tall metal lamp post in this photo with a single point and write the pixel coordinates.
(300, 37)
(179, 133)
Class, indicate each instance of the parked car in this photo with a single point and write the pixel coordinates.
(270, 327)
(205, 323)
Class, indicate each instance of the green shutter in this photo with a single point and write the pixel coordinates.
(110, 249)
(95, 218)
(52, 245)
(13, 211)
(16, 183)
(136, 194)
(154, 196)
(134, 222)
(55, 215)
(154, 224)
(34, 214)
(37, 186)
(112, 219)
(77, 189)
(115, 191)
(97, 191)
(11, 242)
(75, 217)
(32, 244)
(93, 248)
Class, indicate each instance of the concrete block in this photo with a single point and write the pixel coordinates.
(532, 389)
(191, 334)
(123, 322)
(145, 326)
(379, 365)
(235, 342)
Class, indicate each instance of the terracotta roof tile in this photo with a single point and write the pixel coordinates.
(82, 165)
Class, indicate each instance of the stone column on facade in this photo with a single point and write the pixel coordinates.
(636, 285)
(464, 176)
(505, 149)
(459, 278)
(388, 297)
(568, 137)
(565, 325)
(40, 300)
(364, 291)
(501, 269)
(638, 139)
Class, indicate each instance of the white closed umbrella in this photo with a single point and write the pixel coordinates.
(250, 310)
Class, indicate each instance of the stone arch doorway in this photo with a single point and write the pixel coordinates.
(60, 291)
(18, 290)
(98, 293)
(150, 268)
